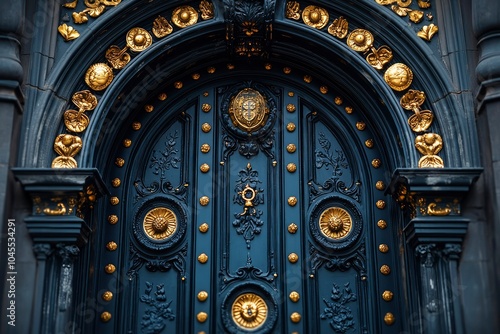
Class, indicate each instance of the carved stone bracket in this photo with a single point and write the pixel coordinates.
(432, 200)
(249, 26)
(62, 201)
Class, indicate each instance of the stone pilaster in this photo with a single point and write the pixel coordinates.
(59, 225)
(434, 229)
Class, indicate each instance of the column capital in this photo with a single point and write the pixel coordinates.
(62, 202)
(432, 200)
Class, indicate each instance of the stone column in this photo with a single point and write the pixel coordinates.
(434, 230)
(59, 226)
(486, 26)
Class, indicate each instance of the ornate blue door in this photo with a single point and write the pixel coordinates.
(248, 201)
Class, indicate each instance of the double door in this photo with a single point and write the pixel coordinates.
(248, 207)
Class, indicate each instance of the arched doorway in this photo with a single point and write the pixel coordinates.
(248, 205)
(209, 226)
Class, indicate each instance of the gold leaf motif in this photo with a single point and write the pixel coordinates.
(184, 16)
(427, 32)
(412, 100)
(111, 2)
(416, 16)
(67, 146)
(117, 57)
(161, 27)
(421, 121)
(335, 223)
(434, 210)
(95, 12)
(92, 3)
(403, 3)
(71, 4)
(68, 32)
(138, 39)
(80, 18)
(207, 10)
(160, 223)
(99, 76)
(400, 10)
(339, 28)
(378, 58)
(398, 76)
(249, 311)
(360, 40)
(292, 10)
(385, 2)
(75, 121)
(429, 143)
(84, 100)
(315, 17)
(424, 3)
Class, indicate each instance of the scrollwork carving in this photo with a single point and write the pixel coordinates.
(157, 263)
(249, 195)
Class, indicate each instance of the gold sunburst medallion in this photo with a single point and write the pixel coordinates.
(249, 311)
(335, 223)
(248, 110)
(160, 223)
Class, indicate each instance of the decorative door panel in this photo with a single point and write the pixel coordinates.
(247, 207)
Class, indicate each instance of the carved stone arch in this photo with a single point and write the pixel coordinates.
(332, 59)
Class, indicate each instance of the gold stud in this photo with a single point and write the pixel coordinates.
(203, 228)
(291, 167)
(369, 143)
(268, 66)
(162, 96)
(230, 67)
(360, 126)
(206, 107)
(112, 219)
(205, 148)
(292, 228)
(387, 295)
(292, 200)
(382, 224)
(148, 108)
(291, 148)
(127, 142)
(204, 168)
(202, 296)
(111, 246)
(293, 257)
(290, 107)
(323, 89)
(308, 78)
(380, 185)
(385, 270)
(383, 248)
(119, 162)
(205, 94)
(389, 318)
(202, 317)
(107, 296)
(136, 126)
(203, 258)
(114, 200)
(105, 316)
(116, 182)
(294, 296)
(338, 100)
(376, 163)
(380, 204)
(348, 110)
(109, 268)
(290, 127)
(295, 317)
(204, 200)
(178, 84)
(291, 94)
(287, 70)
(211, 70)
(205, 127)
